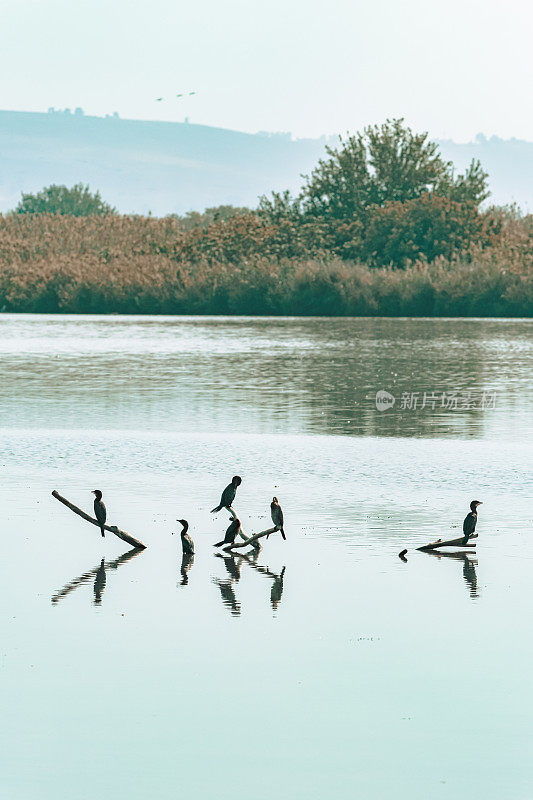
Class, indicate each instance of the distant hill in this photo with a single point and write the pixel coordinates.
(167, 167)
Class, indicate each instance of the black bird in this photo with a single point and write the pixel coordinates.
(99, 510)
(469, 524)
(231, 533)
(228, 496)
(277, 516)
(186, 541)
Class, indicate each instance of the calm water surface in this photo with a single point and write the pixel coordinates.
(324, 667)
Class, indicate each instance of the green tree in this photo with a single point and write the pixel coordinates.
(77, 201)
(385, 163)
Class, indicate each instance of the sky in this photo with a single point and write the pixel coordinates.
(310, 67)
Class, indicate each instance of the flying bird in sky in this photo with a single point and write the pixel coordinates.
(158, 99)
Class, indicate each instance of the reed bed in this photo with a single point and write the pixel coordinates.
(139, 265)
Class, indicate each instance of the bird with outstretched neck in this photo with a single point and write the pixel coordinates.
(99, 510)
(186, 541)
(277, 516)
(231, 533)
(228, 496)
(469, 524)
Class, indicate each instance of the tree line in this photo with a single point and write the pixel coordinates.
(383, 196)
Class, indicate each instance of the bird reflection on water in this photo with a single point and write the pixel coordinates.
(99, 583)
(186, 563)
(98, 574)
(228, 596)
(469, 568)
(233, 564)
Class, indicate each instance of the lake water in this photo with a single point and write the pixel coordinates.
(325, 667)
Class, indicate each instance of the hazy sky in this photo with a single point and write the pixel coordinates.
(307, 66)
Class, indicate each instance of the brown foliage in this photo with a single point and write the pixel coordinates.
(246, 265)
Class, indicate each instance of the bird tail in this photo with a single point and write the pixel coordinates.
(219, 544)
(283, 534)
(214, 510)
(102, 530)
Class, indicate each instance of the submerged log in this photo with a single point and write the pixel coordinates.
(111, 528)
(252, 540)
(449, 543)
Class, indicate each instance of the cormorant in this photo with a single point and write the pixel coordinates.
(99, 510)
(231, 533)
(228, 496)
(186, 541)
(469, 524)
(277, 516)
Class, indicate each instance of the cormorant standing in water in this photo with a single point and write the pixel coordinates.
(99, 510)
(231, 533)
(186, 541)
(277, 516)
(228, 496)
(469, 524)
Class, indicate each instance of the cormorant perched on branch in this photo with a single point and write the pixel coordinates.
(228, 495)
(277, 516)
(186, 541)
(99, 510)
(231, 533)
(469, 524)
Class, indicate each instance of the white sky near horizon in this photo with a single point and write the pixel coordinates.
(454, 68)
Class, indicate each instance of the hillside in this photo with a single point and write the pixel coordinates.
(166, 167)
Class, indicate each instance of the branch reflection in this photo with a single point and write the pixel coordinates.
(98, 574)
